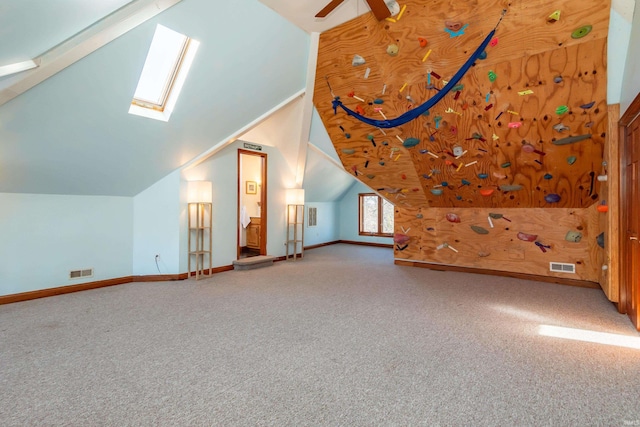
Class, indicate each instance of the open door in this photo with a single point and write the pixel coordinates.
(252, 203)
(630, 212)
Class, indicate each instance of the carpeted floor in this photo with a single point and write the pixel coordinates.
(341, 338)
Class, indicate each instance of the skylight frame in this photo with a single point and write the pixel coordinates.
(172, 84)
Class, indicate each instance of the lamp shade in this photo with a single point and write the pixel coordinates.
(199, 192)
(295, 196)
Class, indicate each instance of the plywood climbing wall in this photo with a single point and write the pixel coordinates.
(525, 127)
(521, 136)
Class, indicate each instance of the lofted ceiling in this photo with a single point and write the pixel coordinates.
(29, 28)
(71, 134)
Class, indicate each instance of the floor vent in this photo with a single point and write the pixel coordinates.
(78, 274)
(560, 267)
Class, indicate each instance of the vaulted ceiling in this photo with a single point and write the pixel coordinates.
(71, 134)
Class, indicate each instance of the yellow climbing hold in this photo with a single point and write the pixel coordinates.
(554, 17)
(525, 92)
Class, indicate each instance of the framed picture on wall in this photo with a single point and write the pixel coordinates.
(252, 187)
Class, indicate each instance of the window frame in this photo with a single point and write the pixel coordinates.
(381, 201)
(172, 87)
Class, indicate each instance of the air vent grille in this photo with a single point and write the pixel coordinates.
(561, 267)
(313, 217)
(78, 274)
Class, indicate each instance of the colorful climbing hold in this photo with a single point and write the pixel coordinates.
(451, 217)
(571, 159)
(548, 176)
(401, 238)
(573, 236)
(479, 230)
(557, 79)
(561, 110)
(514, 125)
(600, 240)
(483, 176)
(436, 191)
(378, 101)
(486, 192)
(525, 237)
(571, 139)
(578, 33)
(505, 165)
(492, 76)
(357, 60)
(554, 17)
(393, 49)
(493, 42)
(423, 42)
(483, 55)
(560, 127)
(587, 106)
(512, 187)
(552, 198)
(348, 150)
(410, 142)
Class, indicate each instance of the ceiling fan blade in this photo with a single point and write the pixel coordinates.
(328, 8)
(379, 9)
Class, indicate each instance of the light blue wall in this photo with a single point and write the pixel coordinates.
(46, 236)
(156, 228)
(349, 217)
(222, 170)
(327, 228)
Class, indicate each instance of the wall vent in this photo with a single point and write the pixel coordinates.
(78, 274)
(313, 217)
(561, 267)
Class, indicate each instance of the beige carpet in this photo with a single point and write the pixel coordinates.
(341, 338)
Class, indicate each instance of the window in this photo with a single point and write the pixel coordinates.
(313, 217)
(376, 215)
(163, 75)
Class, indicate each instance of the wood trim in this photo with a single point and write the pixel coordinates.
(306, 248)
(549, 279)
(378, 245)
(214, 270)
(60, 290)
(160, 277)
(610, 280)
(632, 112)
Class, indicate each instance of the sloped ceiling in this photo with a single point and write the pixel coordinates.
(28, 28)
(72, 134)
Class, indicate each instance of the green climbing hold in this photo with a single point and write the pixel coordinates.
(578, 33)
(571, 159)
(562, 109)
(492, 76)
(410, 142)
(505, 165)
(457, 88)
(514, 187)
(479, 229)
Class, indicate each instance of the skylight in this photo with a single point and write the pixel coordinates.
(163, 75)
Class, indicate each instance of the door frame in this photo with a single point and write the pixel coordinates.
(630, 116)
(263, 200)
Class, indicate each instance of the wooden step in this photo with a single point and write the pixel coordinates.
(253, 262)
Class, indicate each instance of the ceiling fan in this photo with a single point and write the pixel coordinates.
(378, 7)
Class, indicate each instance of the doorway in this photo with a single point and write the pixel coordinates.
(630, 213)
(252, 203)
